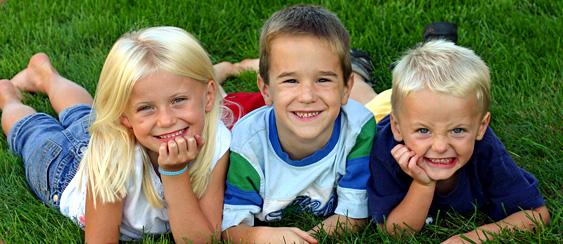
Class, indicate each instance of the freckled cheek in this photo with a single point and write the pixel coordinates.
(283, 94)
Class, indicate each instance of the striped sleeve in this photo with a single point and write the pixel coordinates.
(242, 198)
(357, 162)
(351, 190)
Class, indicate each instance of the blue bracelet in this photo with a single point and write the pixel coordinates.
(172, 173)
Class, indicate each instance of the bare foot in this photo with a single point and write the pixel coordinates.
(248, 64)
(39, 71)
(224, 70)
(8, 93)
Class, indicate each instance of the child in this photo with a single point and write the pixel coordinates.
(157, 113)
(310, 150)
(435, 150)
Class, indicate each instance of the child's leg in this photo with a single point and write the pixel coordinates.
(225, 70)
(248, 64)
(361, 92)
(41, 76)
(10, 103)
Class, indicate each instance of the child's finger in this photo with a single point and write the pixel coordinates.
(403, 157)
(172, 149)
(398, 148)
(192, 147)
(162, 153)
(413, 163)
(182, 144)
(200, 141)
(304, 235)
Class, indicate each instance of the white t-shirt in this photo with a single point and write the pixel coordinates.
(138, 214)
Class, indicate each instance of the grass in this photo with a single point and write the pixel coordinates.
(520, 41)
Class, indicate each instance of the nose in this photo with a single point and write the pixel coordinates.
(166, 118)
(440, 144)
(307, 93)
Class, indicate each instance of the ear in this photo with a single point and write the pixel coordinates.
(395, 128)
(265, 90)
(483, 126)
(125, 121)
(210, 95)
(347, 90)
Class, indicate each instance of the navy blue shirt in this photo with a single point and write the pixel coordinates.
(490, 181)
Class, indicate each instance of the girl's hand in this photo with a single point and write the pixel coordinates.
(409, 162)
(176, 154)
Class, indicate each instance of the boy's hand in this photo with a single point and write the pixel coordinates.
(285, 235)
(176, 154)
(458, 239)
(408, 161)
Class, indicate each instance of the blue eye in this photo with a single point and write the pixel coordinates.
(323, 80)
(142, 108)
(290, 81)
(177, 100)
(457, 130)
(423, 131)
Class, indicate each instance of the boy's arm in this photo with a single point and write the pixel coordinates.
(410, 214)
(244, 233)
(340, 223)
(509, 188)
(523, 220)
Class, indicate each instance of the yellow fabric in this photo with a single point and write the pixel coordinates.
(380, 106)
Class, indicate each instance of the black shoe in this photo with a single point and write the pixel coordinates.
(361, 64)
(440, 30)
(437, 30)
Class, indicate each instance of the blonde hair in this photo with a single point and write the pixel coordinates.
(443, 67)
(305, 20)
(111, 151)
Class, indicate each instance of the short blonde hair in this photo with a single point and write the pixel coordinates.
(305, 20)
(443, 67)
(111, 151)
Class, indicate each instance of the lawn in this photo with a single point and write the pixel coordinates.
(517, 39)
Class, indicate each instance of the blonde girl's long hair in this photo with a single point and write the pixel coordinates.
(111, 151)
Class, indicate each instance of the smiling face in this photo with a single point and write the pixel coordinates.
(163, 106)
(306, 87)
(441, 129)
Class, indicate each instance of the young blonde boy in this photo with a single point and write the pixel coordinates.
(308, 150)
(435, 150)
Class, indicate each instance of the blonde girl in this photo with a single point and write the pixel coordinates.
(150, 157)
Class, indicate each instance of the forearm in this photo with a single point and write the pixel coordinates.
(411, 213)
(340, 222)
(187, 220)
(244, 233)
(523, 220)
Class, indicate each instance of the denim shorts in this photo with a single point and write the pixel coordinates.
(51, 149)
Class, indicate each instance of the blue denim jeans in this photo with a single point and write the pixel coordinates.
(51, 149)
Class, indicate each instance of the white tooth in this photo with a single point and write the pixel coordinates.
(306, 115)
(172, 135)
(440, 160)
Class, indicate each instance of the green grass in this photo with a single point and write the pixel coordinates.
(520, 41)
